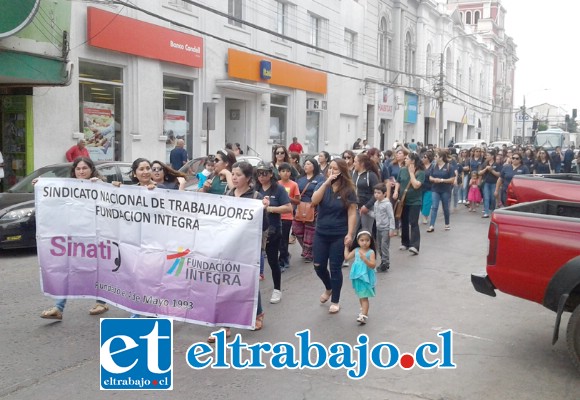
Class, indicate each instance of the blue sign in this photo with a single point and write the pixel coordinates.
(411, 104)
(136, 354)
(265, 69)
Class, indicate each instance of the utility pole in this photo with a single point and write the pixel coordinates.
(524, 121)
(440, 99)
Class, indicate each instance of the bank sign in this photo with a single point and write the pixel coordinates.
(110, 31)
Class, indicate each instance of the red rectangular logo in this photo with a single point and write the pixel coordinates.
(114, 32)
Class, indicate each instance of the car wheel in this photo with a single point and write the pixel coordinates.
(573, 337)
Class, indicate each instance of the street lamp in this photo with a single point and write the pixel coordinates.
(442, 81)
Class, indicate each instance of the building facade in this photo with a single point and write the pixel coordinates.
(145, 74)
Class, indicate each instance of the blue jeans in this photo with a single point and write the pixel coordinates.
(445, 198)
(465, 186)
(329, 249)
(488, 197)
(455, 195)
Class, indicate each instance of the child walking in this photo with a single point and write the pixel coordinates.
(474, 194)
(362, 272)
(285, 171)
(385, 221)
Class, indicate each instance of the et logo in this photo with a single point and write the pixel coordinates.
(136, 354)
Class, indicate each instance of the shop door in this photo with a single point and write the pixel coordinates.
(16, 138)
(236, 131)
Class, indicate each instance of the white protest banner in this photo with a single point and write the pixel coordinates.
(191, 256)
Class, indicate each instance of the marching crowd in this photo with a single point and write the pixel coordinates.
(348, 208)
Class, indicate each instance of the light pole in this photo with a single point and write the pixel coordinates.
(440, 97)
(524, 115)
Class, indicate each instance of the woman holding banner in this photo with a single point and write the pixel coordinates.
(163, 174)
(242, 174)
(82, 168)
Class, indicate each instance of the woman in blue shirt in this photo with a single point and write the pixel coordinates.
(335, 228)
(442, 179)
(543, 164)
(279, 203)
(507, 174)
(489, 173)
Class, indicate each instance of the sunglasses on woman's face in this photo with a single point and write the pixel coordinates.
(280, 153)
(263, 173)
(156, 169)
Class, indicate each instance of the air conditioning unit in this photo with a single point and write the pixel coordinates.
(315, 104)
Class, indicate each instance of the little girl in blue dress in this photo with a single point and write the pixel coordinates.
(362, 271)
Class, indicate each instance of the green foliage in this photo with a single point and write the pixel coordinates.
(542, 127)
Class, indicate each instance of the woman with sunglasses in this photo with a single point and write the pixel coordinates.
(278, 204)
(348, 156)
(280, 156)
(508, 172)
(304, 231)
(543, 164)
(221, 179)
(163, 174)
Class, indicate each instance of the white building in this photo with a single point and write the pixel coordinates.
(327, 72)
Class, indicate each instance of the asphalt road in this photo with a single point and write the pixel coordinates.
(501, 346)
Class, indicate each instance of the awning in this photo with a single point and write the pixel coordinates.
(21, 69)
(244, 87)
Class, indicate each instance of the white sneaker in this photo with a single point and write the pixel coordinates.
(403, 247)
(413, 250)
(276, 296)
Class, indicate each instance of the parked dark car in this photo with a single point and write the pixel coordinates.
(195, 166)
(17, 216)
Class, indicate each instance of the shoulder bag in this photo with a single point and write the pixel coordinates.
(401, 203)
(304, 210)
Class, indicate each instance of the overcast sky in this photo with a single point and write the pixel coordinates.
(548, 47)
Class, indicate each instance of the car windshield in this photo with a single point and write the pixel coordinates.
(25, 185)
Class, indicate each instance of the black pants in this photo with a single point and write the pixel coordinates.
(410, 218)
(286, 228)
(272, 250)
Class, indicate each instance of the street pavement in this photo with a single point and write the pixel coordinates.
(501, 346)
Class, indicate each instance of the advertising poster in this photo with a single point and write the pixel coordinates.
(385, 102)
(99, 130)
(174, 127)
(154, 252)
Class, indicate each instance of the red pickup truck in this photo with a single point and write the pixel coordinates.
(534, 253)
(524, 188)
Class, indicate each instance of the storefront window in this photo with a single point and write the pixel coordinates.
(312, 130)
(278, 118)
(100, 110)
(177, 110)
